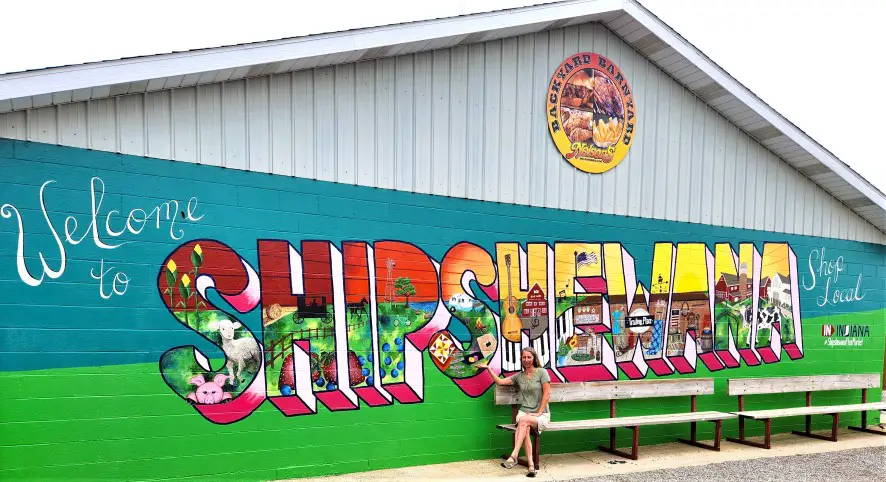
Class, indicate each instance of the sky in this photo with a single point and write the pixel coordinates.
(810, 60)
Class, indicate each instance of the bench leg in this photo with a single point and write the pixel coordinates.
(741, 438)
(864, 426)
(808, 433)
(635, 445)
(694, 439)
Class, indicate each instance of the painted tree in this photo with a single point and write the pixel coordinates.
(403, 287)
(727, 315)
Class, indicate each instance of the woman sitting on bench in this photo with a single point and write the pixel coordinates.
(534, 386)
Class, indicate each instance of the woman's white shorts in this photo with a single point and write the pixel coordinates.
(543, 420)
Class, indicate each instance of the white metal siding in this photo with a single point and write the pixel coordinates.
(466, 122)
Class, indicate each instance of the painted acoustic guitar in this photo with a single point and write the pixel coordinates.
(510, 323)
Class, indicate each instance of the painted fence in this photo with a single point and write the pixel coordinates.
(171, 320)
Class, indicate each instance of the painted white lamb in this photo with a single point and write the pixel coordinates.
(238, 351)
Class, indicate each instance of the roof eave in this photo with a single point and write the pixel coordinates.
(58, 79)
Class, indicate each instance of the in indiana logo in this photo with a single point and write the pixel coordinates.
(845, 331)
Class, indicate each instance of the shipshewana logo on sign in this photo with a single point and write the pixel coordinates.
(591, 113)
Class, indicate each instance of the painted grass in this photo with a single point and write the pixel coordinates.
(123, 422)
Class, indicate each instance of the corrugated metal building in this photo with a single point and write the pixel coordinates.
(451, 108)
(424, 104)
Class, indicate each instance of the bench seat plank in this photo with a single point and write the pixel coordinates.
(825, 409)
(758, 386)
(631, 421)
(631, 389)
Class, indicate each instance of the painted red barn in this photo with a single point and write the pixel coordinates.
(536, 304)
(729, 287)
(765, 284)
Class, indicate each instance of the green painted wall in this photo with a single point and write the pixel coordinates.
(84, 397)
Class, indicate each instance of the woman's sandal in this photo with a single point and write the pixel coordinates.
(509, 463)
(531, 472)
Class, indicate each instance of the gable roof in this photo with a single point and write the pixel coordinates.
(628, 19)
(730, 279)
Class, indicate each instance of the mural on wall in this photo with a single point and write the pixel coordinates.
(341, 324)
(155, 315)
(359, 321)
(591, 112)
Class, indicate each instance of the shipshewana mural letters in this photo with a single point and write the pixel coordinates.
(349, 322)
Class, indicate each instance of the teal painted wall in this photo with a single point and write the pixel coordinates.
(82, 363)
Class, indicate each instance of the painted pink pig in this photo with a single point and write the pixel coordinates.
(209, 393)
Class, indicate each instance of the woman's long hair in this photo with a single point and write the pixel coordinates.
(535, 362)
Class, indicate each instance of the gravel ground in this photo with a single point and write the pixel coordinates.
(856, 465)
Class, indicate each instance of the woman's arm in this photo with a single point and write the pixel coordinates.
(495, 378)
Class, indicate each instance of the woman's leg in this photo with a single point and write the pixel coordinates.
(521, 434)
(521, 437)
(529, 423)
(532, 424)
(527, 449)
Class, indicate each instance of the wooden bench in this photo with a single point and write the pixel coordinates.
(808, 384)
(612, 391)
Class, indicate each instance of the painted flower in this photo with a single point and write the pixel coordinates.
(171, 275)
(185, 290)
(197, 257)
